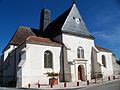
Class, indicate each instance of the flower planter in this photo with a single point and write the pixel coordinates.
(53, 81)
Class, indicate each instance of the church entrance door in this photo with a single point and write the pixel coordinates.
(81, 72)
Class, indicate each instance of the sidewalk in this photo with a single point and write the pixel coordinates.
(71, 85)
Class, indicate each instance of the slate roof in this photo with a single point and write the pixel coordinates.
(41, 40)
(102, 49)
(66, 23)
(54, 28)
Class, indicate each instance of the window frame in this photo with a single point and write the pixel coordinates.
(104, 61)
(80, 52)
(48, 60)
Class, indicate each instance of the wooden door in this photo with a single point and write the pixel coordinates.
(79, 72)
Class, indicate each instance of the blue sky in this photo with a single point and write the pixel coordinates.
(102, 18)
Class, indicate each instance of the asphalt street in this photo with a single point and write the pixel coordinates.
(115, 85)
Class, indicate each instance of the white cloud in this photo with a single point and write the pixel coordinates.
(112, 36)
(101, 35)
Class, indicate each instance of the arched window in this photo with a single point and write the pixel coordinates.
(80, 52)
(48, 59)
(104, 60)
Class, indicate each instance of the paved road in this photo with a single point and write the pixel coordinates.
(115, 85)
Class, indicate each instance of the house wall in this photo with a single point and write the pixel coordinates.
(19, 59)
(8, 69)
(6, 52)
(33, 70)
(116, 66)
(73, 42)
(108, 70)
(95, 65)
(10, 64)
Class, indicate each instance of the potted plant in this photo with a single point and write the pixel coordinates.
(53, 80)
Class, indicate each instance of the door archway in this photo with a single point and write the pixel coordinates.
(81, 73)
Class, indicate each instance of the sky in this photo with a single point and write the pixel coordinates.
(102, 18)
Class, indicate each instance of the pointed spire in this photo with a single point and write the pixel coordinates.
(74, 1)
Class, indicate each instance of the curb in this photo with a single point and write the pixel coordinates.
(69, 88)
(65, 88)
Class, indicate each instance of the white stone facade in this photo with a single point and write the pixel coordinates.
(33, 70)
(73, 43)
(74, 54)
(108, 70)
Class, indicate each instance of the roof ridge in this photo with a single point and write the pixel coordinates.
(24, 27)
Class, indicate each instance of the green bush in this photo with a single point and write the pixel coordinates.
(52, 74)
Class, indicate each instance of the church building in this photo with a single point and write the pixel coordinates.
(63, 46)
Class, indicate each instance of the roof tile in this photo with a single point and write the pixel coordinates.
(102, 49)
(41, 40)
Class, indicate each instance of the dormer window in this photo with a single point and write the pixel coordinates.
(80, 52)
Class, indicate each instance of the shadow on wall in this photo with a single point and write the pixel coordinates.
(118, 62)
(7, 79)
(65, 75)
(8, 70)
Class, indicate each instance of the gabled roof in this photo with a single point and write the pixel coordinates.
(69, 22)
(102, 49)
(21, 35)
